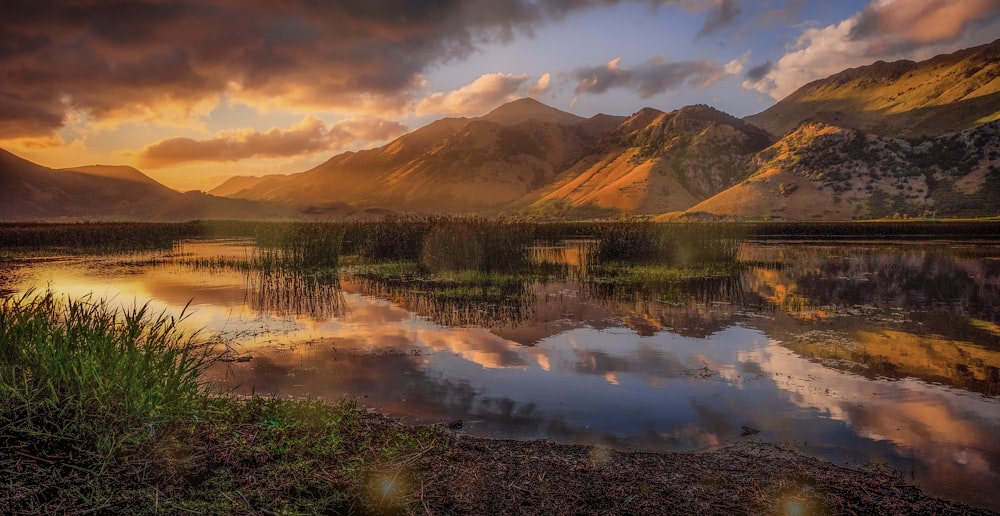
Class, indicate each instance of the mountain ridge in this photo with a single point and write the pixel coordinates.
(944, 94)
(848, 148)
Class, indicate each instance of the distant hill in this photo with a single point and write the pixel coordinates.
(32, 192)
(655, 162)
(944, 94)
(123, 173)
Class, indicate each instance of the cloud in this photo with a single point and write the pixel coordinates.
(541, 87)
(760, 71)
(308, 136)
(115, 59)
(722, 15)
(482, 95)
(884, 30)
(919, 22)
(736, 66)
(651, 78)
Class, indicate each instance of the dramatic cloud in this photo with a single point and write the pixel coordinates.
(885, 30)
(484, 94)
(308, 136)
(117, 59)
(651, 78)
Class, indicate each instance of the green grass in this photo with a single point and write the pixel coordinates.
(103, 410)
(71, 367)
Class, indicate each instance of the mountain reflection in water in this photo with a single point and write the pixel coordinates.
(857, 353)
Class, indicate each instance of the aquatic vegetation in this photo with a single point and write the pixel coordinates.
(106, 408)
(69, 369)
(96, 237)
(676, 244)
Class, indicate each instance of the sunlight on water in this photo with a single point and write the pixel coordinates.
(862, 354)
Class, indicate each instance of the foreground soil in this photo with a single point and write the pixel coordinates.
(249, 467)
(477, 476)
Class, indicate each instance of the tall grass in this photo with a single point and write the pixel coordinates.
(99, 237)
(102, 411)
(676, 244)
(70, 370)
(300, 246)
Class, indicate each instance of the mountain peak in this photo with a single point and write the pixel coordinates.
(522, 110)
(120, 172)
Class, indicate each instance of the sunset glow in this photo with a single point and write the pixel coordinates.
(194, 92)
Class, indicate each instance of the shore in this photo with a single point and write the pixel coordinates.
(240, 469)
(485, 476)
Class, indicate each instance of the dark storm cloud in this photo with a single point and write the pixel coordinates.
(116, 58)
(760, 71)
(721, 16)
(651, 78)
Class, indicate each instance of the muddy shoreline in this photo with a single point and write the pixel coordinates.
(475, 475)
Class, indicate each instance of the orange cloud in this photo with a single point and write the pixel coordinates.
(921, 21)
(308, 136)
(885, 30)
(482, 95)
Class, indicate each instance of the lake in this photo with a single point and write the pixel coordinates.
(884, 353)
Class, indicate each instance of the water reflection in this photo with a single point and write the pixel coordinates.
(866, 353)
(290, 294)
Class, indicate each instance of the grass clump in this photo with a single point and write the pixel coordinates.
(72, 370)
(103, 410)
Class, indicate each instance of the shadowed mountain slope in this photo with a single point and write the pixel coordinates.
(655, 162)
(944, 94)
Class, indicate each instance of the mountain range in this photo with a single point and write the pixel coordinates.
(888, 139)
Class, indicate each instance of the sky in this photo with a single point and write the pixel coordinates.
(192, 92)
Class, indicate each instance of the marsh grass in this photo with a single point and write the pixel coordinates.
(73, 369)
(300, 246)
(643, 242)
(103, 410)
(96, 237)
(287, 293)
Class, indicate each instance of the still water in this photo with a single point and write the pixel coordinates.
(860, 353)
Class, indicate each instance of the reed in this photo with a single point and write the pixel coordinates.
(96, 237)
(677, 244)
(70, 370)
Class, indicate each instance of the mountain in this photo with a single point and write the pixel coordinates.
(455, 165)
(515, 112)
(655, 162)
(32, 192)
(824, 172)
(889, 138)
(944, 94)
(127, 174)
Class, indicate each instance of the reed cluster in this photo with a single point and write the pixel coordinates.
(102, 410)
(96, 237)
(72, 369)
(646, 242)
